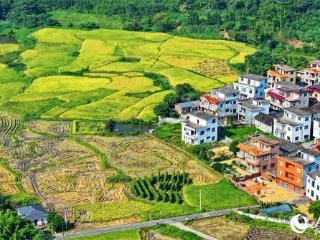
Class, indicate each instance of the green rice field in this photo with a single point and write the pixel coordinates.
(105, 74)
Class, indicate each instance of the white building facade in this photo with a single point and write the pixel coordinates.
(227, 100)
(313, 186)
(200, 127)
(248, 109)
(251, 86)
(294, 125)
(311, 75)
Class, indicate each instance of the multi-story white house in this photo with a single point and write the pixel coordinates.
(316, 132)
(264, 122)
(200, 127)
(293, 125)
(313, 186)
(281, 73)
(311, 75)
(227, 100)
(251, 86)
(286, 95)
(248, 109)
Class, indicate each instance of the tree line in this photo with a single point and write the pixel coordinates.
(163, 187)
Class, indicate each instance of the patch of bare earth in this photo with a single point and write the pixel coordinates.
(295, 43)
(221, 228)
(263, 234)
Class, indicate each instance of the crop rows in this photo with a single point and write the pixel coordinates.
(163, 187)
(9, 125)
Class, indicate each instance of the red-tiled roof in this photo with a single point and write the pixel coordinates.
(251, 150)
(276, 74)
(210, 99)
(315, 88)
(275, 95)
(314, 70)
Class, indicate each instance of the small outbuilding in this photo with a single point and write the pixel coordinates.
(35, 213)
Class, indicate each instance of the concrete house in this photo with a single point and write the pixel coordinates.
(293, 125)
(258, 154)
(288, 95)
(264, 122)
(227, 99)
(251, 86)
(315, 91)
(281, 73)
(292, 169)
(311, 75)
(187, 107)
(248, 109)
(313, 186)
(34, 213)
(200, 127)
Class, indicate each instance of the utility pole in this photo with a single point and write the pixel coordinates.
(65, 218)
(200, 200)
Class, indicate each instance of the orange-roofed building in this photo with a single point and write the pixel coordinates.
(258, 154)
(311, 75)
(281, 73)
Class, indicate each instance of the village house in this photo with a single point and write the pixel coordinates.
(293, 125)
(316, 133)
(258, 154)
(209, 104)
(264, 122)
(200, 127)
(313, 186)
(225, 101)
(248, 109)
(251, 86)
(315, 91)
(187, 107)
(293, 168)
(311, 75)
(288, 95)
(36, 214)
(281, 73)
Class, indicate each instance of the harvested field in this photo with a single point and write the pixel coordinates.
(221, 228)
(140, 156)
(7, 181)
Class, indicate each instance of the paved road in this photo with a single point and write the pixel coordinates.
(151, 223)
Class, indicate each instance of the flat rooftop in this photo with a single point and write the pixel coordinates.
(202, 115)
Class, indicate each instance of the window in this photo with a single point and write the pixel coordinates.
(281, 164)
(208, 129)
(273, 165)
(250, 91)
(298, 170)
(298, 180)
(264, 167)
(213, 138)
(299, 118)
(306, 127)
(213, 129)
(288, 138)
(296, 138)
(307, 118)
(198, 121)
(202, 141)
(312, 193)
(281, 173)
(208, 137)
(202, 133)
(289, 128)
(213, 121)
(297, 129)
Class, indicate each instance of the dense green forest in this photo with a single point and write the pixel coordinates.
(268, 24)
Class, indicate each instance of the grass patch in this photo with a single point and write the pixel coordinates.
(122, 235)
(240, 133)
(217, 196)
(176, 233)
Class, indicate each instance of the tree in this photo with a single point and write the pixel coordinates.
(171, 100)
(55, 221)
(28, 13)
(13, 227)
(259, 62)
(162, 110)
(233, 147)
(314, 208)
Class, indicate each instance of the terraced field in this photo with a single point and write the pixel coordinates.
(112, 68)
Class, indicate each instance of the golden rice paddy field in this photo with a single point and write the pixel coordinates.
(101, 74)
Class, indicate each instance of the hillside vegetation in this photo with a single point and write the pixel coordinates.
(111, 74)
